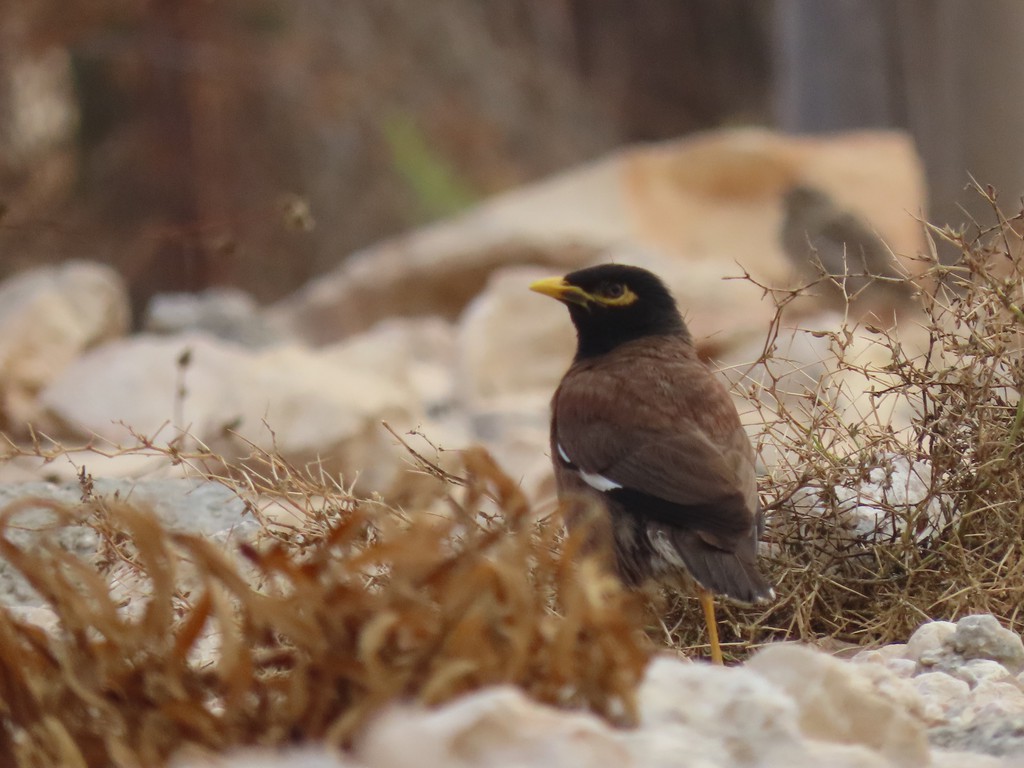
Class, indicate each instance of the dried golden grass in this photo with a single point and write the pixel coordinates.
(351, 604)
(314, 626)
(964, 391)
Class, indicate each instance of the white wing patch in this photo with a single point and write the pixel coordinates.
(594, 480)
(599, 482)
(563, 454)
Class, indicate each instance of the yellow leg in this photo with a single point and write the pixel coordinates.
(707, 602)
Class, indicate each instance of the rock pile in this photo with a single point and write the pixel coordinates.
(790, 706)
(435, 331)
(952, 695)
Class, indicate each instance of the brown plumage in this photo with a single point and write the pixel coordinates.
(641, 427)
(822, 239)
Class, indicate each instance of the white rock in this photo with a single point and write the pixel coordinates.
(942, 758)
(48, 317)
(975, 671)
(838, 704)
(1001, 736)
(982, 637)
(303, 757)
(929, 639)
(729, 704)
(880, 508)
(189, 505)
(943, 696)
(882, 654)
(307, 404)
(675, 198)
(512, 341)
(227, 313)
(991, 699)
(901, 667)
(492, 727)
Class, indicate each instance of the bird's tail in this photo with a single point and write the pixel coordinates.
(732, 574)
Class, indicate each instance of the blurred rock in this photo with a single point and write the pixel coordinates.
(975, 638)
(995, 736)
(710, 202)
(227, 313)
(512, 342)
(433, 272)
(983, 637)
(837, 704)
(977, 671)
(298, 757)
(876, 508)
(944, 696)
(929, 639)
(191, 505)
(48, 317)
(493, 727)
(790, 707)
(310, 405)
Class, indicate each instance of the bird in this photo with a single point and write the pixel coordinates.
(822, 239)
(645, 433)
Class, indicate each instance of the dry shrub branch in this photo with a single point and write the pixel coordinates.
(896, 485)
(306, 631)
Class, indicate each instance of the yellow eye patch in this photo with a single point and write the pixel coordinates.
(624, 299)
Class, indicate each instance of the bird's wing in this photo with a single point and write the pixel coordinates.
(681, 478)
(847, 246)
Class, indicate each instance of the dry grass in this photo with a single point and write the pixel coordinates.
(341, 604)
(953, 549)
(309, 629)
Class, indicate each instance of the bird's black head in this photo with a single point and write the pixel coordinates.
(611, 304)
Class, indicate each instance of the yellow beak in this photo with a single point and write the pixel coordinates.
(557, 288)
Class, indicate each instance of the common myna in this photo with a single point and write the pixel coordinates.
(642, 427)
(822, 239)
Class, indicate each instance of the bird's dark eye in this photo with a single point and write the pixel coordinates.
(614, 290)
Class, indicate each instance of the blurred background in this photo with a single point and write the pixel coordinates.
(257, 143)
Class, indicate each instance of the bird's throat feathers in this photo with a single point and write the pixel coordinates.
(597, 335)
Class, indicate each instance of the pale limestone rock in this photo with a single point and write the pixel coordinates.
(41, 616)
(308, 404)
(48, 317)
(978, 637)
(227, 313)
(692, 716)
(802, 373)
(902, 667)
(511, 341)
(982, 637)
(892, 657)
(710, 203)
(874, 509)
(835, 703)
(427, 273)
(991, 699)
(494, 727)
(929, 639)
(707, 194)
(754, 715)
(726, 706)
(189, 505)
(975, 671)
(300, 757)
(943, 696)
(136, 381)
(999, 736)
(942, 758)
